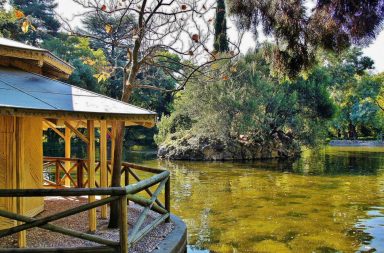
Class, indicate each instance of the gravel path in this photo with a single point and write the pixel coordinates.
(37, 237)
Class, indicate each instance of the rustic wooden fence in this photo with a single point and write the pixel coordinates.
(159, 180)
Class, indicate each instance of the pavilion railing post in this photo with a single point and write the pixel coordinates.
(57, 173)
(168, 198)
(80, 177)
(126, 176)
(123, 224)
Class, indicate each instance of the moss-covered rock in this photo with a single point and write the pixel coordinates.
(193, 147)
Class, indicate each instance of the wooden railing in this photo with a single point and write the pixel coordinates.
(130, 192)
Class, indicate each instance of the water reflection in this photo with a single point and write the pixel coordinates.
(329, 200)
(371, 230)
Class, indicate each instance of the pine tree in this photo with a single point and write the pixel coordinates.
(333, 25)
(221, 41)
(42, 12)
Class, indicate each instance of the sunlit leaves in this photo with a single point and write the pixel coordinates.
(103, 7)
(103, 76)
(108, 28)
(19, 14)
(26, 22)
(89, 62)
(25, 26)
(215, 66)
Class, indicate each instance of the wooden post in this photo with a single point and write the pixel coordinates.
(168, 198)
(57, 174)
(114, 124)
(22, 236)
(67, 154)
(103, 163)
(91, 171)
(126, 176)
(80, 177)
(123, 224)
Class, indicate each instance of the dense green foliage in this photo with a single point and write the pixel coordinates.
(252, 103)
(75, 51)
(356, 92)
(8, 25)
(337, 98)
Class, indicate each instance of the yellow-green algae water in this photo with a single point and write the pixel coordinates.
(329, 200)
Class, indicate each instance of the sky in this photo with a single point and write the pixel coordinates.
(375, 51)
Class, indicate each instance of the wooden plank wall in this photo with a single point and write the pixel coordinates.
(7, 165)
(31, 163)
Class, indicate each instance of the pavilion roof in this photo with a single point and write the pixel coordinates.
(28, 94)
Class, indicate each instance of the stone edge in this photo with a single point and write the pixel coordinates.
(176, 241)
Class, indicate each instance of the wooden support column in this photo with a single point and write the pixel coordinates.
(114, 124)
(103, 163)
(123, 224)
(67, 154)
(22, 236)
(91, 171)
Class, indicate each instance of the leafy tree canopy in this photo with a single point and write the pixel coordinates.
(77, 51)
(252, 102)
(299, 30)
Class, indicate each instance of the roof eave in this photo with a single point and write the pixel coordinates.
(146, 120)
(41, 55)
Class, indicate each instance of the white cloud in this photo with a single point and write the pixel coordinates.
(376, 52)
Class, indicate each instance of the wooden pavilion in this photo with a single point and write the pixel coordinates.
(33, 100)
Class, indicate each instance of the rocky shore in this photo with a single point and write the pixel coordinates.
(204, 148)
(356, 143)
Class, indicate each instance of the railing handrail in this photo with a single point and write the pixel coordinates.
(125, 164)
(121, 194)
(113, 191)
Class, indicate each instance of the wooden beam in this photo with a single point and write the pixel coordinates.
(53, 127)
(98, 249)
(91, 172)
(103, 162)
(22, 236)
(77, 132)
(61, 230)
(143, 119)
(23, 64)
(67, 154)
(123, 224)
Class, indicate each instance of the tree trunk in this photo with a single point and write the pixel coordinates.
(118, 154)
(116, 173)
(352, 131)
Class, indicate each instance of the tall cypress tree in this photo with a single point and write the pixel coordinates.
(44, 19)
(221, 41)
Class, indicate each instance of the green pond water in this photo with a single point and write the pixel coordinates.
(329, 200)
